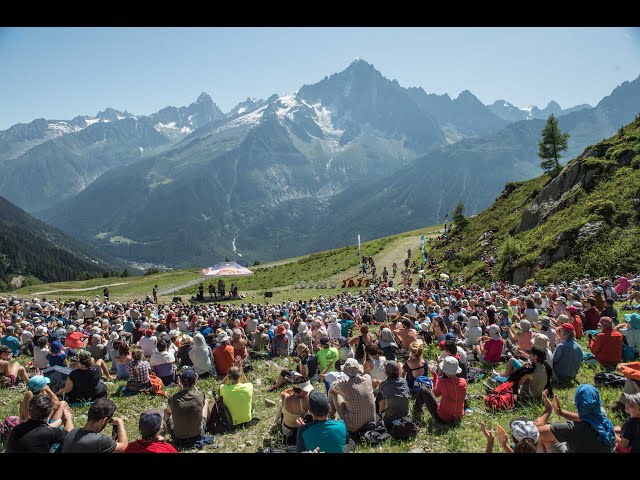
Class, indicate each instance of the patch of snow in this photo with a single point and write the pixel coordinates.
(252, 118)
(323, 119)
(235, 250)
(242, 109)
(289, 106)
(506, 105)
(91, 121)
(141, 151)
(165, 125)
(185, 130)
(60, 128)
(120, 117)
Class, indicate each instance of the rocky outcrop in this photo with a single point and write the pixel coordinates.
(558, 193)
(589, 230)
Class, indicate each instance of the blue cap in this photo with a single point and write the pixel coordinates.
(189, 377)
(150, 422)
(56, 347)
(37, 383)
(451, 336)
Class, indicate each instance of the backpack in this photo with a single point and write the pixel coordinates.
(220, 420)
(403, 429)
(419, 382)
(501, 398)
(376, 436)
(607, 379)
(7, 425)
(474, 374)
(628, 353)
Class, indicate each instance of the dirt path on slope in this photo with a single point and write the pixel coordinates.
(78, 289)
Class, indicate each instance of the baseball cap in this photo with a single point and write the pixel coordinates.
(150, 422)
(324, 340)
(189, 377)
(37, 383)
(318, 403)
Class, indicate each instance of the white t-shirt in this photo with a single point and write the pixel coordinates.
(411, 308)
(26, 336)
(40, 358)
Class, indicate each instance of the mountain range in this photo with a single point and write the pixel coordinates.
(353, 153)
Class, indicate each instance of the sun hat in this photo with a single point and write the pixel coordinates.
(494, 332)
(541, 341)
(223, 337)
(450, 366)
(633, 399)
(525, 325)
(352, 367)
(521, 429)
(302, 383)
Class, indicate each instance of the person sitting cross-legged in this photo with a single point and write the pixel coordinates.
(353, 398)
(237, 394)
(187, 411)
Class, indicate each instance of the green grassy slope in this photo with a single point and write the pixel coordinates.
(608, 197)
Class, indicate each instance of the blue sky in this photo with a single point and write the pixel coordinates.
(58, 73)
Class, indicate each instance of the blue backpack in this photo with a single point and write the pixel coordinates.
(421, 381)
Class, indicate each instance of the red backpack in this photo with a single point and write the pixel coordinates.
(501, 398)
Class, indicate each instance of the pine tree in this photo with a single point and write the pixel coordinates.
(125, 273)
(458, 216)
(553, 142)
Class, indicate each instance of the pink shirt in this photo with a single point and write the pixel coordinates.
(494, 351)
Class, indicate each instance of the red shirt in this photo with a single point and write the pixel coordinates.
(74, 340)
(223, 357)
(607, 348)
(453, 392)
(577, 324)
(142, 446)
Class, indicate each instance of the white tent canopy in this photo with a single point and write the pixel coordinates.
(226, 269)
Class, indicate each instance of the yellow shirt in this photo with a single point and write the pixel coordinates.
(238, 399)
